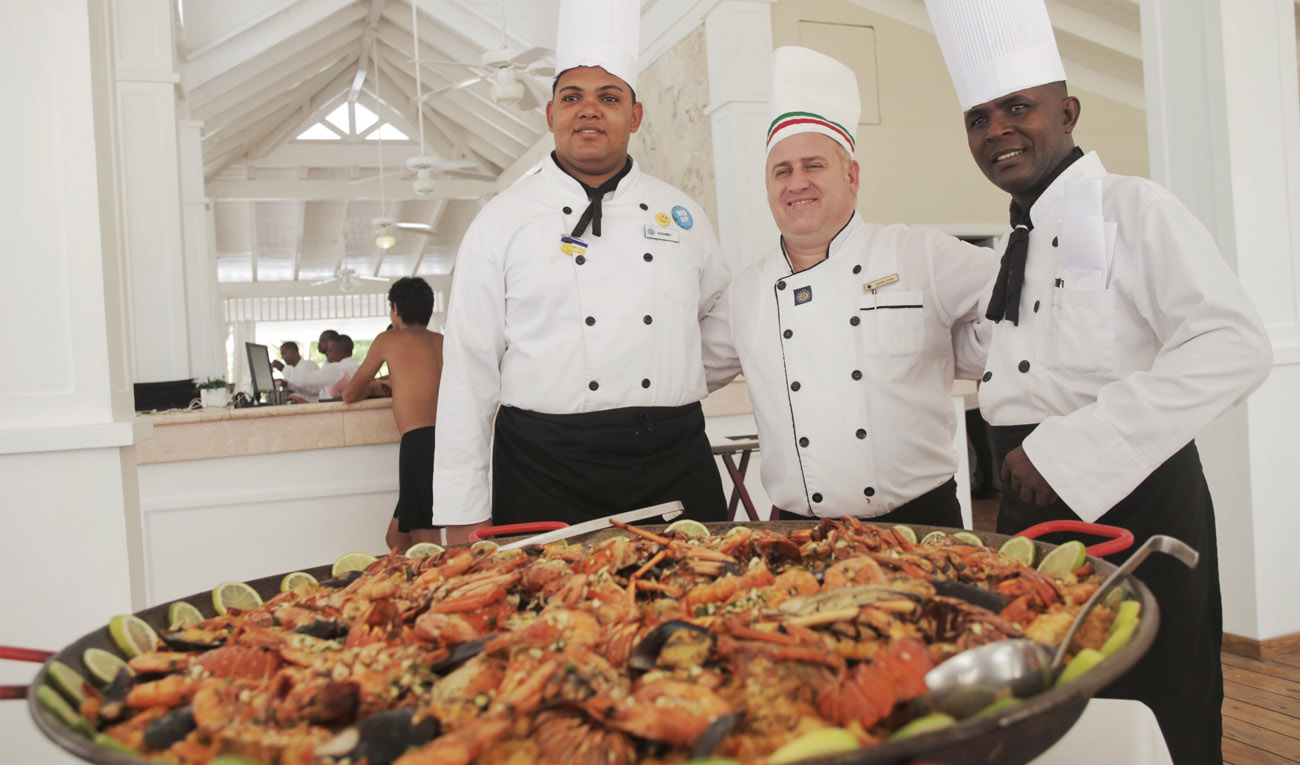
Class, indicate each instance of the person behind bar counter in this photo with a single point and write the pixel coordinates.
(577, 303)
(849, 332)
(1120, 333)
(414, 357)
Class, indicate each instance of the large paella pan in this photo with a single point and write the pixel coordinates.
(640, 645)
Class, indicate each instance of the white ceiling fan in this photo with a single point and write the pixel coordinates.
(348, 279)
(516, 76)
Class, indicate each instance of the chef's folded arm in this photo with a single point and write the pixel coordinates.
(1213, 352)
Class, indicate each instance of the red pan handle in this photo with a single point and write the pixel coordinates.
(13, 653)
(515, 528)
(1120, 539)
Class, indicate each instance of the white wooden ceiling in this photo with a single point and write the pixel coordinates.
(257, 73)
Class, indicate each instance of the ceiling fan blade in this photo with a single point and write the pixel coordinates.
(330, 280)
(469, 175)
(389, 174)
(373, 279)
(532, 55)
(452, 87)
(417, 228)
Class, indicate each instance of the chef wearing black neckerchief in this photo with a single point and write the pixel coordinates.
(1121, 333)
(576, 306)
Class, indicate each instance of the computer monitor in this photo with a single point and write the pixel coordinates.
(259, 364)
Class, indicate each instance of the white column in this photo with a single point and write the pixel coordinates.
(70, 511)
(738, 35)
(150, 188)
(207, 352)
(1224, 132)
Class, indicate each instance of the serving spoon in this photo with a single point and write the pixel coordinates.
(973, 679)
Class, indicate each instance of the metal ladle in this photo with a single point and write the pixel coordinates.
(973, 679)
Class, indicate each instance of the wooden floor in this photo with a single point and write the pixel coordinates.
(1261, 699)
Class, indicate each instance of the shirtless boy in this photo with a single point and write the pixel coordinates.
(414, 356)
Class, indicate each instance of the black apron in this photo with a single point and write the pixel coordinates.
(1180, 678)
(576, 467)
(937, 507)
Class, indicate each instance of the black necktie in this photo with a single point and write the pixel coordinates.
(1005, 302)
(594, 196)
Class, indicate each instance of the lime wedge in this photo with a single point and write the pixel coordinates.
(231, 759)
(969, 538)
(819, 743)
(353, 561)
(1022, 549)
(1114, 598)
(108, 742)
(713, 761)
(181, 615)
(52, 701)
(486, 545)
(1127, 612)
(1119, 636)
(927, 724)
(295, 580)
(998, 706)
(906, 532)
(66, 681)
(934, 538)
(1083, 662)
(228, 595)
(132, 634)
(103, 665)
(689, 527)
(1063, 559)
(424, 550)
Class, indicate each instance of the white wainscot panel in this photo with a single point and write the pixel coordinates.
(242, 518)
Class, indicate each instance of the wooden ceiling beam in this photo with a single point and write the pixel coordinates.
(1095, 29)
(311, 108)
(239, 121)
(275, 85)
(365, 50)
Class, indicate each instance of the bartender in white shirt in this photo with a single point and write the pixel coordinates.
(293, 368)
(329, 380)
(576, 306)
(1121, 333)
(847, 330)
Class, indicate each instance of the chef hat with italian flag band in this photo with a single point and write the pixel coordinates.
(812, 93)
(995, 47)
(603, 33)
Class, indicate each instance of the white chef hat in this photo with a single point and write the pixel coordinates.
(603, 33)
(995, 47)
(812, 93)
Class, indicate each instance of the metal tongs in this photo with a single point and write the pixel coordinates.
(669, 511)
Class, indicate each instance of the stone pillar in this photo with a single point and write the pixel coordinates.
(739, 39)
(146, 137)
(1224, 132)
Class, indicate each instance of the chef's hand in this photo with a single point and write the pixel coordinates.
(279, 365)
(1025, 480)
(459, 535)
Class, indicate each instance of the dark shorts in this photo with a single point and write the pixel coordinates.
(415, 480)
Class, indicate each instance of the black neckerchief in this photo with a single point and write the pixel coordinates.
(594, 196)
(1005, 300)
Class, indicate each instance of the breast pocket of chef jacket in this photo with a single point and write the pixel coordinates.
(678, 279)
(1080, 338)
(892, 323)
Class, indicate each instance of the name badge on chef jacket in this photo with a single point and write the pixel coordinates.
(662, 234)
(570, 246)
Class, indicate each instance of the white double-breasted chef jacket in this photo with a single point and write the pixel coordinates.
(539, 322)
(1123, 376)
(852, 386)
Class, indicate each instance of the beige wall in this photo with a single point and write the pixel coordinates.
(675, 142)
(915, 164)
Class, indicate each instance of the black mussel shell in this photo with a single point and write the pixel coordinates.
(179, 641)
(971, 594)
(461, 654)
(323, 629)
(342, 581)
(114, 707)
(168, 729)
(381, 738)
(648, 652)
(713, 735)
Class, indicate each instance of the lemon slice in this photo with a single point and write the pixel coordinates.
(132, 634)
(689, 527)
(353, 561)
(103, 665)
(934, 538)
(181, 615)
(295, 580)
(1022, 549)
(487, 545)
(969, 538)
(819, 743)
(1063, 559)
(927, 724)
(228, 595)
(906, 532)
(424, 550)
(66, 681)
(1084, 661)
(51, 700)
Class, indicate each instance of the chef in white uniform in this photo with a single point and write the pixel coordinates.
(576, 306)
(1121, 333)
(847, 330)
